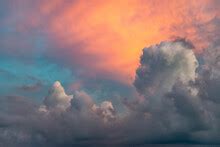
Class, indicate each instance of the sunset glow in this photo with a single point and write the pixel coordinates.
(109, 72)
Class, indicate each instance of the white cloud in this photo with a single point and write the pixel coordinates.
(105, 110)
(57, 98)
(164, 64)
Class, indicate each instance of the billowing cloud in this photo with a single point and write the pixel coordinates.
(183, 107)
(60, 120)
(93, 49)
(163, 64)
(105, 110)
(57, 98)
(82, 101)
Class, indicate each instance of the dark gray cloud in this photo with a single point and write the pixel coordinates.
(31, 87)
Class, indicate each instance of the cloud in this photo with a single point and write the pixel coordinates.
(177, 102)
(60, 120)
(33, 87)
(212, 61)
(163, 64)
(39, 29)
(182, 97)
(105, 110)
(57, 98)
(177, 82)
(81, 101)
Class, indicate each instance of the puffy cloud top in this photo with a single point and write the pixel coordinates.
(163, 64)
(57, 98)
(105, 110)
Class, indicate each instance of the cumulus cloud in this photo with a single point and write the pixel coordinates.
(82, 101)
(57, 98)
(212, 61)
(163, 64)
(178, 102)
(105, 110)
(179, 91)
(60, 120)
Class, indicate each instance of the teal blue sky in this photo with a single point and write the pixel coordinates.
(16, 74)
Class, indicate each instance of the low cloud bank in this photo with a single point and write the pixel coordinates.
(178, 102)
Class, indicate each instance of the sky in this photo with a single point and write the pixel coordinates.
(114, 72)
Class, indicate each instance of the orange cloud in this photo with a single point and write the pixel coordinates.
(111, 34)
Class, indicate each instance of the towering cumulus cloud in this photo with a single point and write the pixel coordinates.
(179, 103)
(162, 65)
(179, 94)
